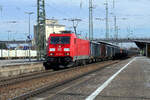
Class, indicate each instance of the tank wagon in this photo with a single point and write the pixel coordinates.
(67, 50)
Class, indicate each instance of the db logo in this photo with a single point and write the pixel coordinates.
(59, 49)
(59, 54)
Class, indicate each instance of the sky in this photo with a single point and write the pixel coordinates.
(135, 12)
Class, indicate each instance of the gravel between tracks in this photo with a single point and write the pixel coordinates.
(11, 91)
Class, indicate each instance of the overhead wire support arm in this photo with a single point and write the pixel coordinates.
(1, 9)
(75, 22)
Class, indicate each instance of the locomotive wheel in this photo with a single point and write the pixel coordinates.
(56, 68)
(83, 62)
(75, 64)
(46, 65)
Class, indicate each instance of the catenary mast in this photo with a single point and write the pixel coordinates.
(90, 19)
(40, 36)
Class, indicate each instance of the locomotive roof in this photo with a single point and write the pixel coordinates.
(65, 32)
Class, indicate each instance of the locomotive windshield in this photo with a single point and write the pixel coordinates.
(60, 40)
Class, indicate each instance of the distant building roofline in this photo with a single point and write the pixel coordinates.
(142, 41)
(55, 25)
(52, 19)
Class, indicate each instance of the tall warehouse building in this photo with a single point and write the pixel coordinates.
(52, 26)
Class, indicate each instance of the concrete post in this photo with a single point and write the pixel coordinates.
(1, 53)
(146, 50)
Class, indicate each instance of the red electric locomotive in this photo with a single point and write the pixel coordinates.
(65, 50)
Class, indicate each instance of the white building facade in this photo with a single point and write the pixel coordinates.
(52, 26)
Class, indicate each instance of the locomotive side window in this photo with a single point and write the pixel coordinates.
(60, 40)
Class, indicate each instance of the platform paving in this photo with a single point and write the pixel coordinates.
(131, 83)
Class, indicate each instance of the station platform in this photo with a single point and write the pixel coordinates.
(133, 83)
(19, 66)
(127, 80)
(10, 62)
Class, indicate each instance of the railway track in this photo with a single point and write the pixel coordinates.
(23, 87)
(21, 78)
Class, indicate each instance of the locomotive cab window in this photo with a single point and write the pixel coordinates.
(60, 40)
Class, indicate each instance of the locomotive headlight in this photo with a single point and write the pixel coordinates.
(67, 54)
(51, 54)
(66, 49)
(52, 49)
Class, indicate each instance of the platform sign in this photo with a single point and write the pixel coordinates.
(29, 37)
(25, 48)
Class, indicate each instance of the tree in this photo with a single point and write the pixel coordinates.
(3, 46)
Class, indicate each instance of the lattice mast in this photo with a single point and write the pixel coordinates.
(107, 25)
(41, 21)
(90, 19)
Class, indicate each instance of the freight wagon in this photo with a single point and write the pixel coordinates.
(15, 54)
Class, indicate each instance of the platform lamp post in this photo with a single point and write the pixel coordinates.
(9, 31)
(9, 42)
(29, 36)
(25, 34)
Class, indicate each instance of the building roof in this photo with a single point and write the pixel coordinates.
(55, 25)
(141, 44)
